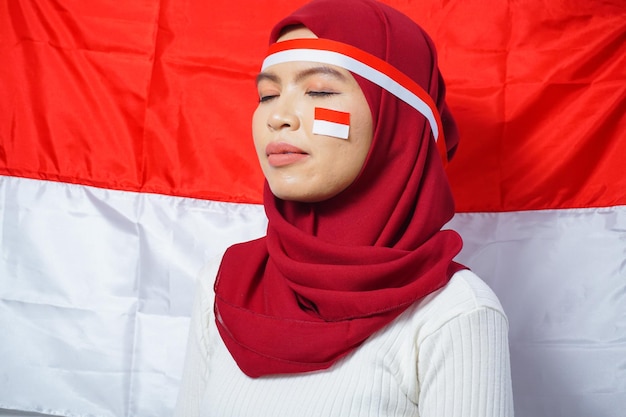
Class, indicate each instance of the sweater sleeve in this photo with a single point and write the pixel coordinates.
(195, 370)
(464, 367)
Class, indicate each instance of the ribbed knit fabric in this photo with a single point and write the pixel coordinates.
(445, 356)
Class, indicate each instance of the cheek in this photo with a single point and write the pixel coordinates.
(360, 135)
(363, 133)
(340, 163)
(258, 129)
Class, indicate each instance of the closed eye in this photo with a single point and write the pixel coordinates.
(265, 99)
(320, 93)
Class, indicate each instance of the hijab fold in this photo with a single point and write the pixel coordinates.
(330, 274)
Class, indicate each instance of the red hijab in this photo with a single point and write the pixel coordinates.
(330, 274)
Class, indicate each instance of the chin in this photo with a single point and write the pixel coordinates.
(295, 194)
(297, 197)
(301, 196)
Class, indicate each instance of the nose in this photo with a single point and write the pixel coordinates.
(283, 116)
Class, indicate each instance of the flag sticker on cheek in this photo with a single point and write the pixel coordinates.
(331, 123)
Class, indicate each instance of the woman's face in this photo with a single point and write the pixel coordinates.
(298, 164)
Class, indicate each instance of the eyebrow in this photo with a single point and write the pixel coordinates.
(324, 70)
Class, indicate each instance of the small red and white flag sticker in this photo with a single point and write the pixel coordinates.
(331, 123)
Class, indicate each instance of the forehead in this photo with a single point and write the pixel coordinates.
(296, 32)
(302, 70)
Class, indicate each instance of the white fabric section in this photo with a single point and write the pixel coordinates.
(377, 77)
(337, 130)
(95, 294)
(561, 278)
(445, 356)
(96, 289)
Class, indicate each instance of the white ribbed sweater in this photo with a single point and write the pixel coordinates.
(447, 355)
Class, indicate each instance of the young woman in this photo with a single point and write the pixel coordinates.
(352, 304)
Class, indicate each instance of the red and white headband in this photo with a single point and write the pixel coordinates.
(367, 66)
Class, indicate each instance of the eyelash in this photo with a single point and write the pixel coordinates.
(320, 94)
(265, 99)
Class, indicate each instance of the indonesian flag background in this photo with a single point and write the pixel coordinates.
(126, 163)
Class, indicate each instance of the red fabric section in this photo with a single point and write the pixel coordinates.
(157, 96)
(539, 92)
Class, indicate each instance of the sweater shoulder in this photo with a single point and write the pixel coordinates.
(467, 291)
(464, 294)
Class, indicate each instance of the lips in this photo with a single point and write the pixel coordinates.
(280, 154)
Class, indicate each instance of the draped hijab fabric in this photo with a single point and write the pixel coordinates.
(330, 274)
